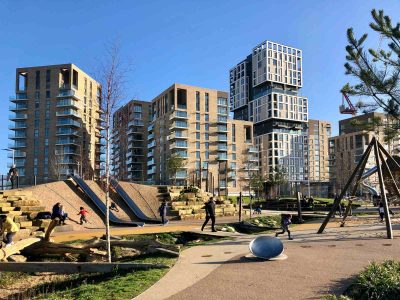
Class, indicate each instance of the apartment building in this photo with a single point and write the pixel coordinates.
(57, 123)
(129, 141)
(264, 89)
(346, 149)
(193, 122)
(319, 133)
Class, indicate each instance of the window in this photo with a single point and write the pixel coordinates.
(36, 132)
(233, 147)
(233, 133)
(207, 145)
(206, 117)
(37, 81)
(197, 154)
(207, 104)
(47, 94)
(197, 117)
(206, 136)
(197, 101)
(197, 135)
(206, 127)
(233, 156)
(137, 108)
(197, 145)
(48, 79)
(197, 126)
(207, 154)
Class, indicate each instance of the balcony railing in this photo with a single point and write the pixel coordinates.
(18, 116)
(67, 93)
(177, 136)
(17, 126)
(179, 114)
(68, 122)
(67, 112)
(19, 97)
(151, 145)
(18, 106)
(222, 156)
(150, 154)
(179, 124)
(222, 147)
(253, 150)
(17, 135)
(67, 103)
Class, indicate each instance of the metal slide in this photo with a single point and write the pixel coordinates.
(100, 204)
(131, 204)
(370, 188)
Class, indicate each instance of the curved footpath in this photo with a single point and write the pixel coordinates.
(317, 265)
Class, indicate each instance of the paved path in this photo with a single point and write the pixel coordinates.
(316, 265)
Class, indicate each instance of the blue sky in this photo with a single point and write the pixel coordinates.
(191, 42)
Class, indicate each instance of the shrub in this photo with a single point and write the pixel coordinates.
(377, 281)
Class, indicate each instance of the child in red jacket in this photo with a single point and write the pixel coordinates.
(83, 212)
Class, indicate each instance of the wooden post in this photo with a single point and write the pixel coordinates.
(362, 168)
(207, 181)
(383, 192)
(299, 215)
(385, 166)
(240, 207)
(343, 192)
(218, 178)
(201, 175)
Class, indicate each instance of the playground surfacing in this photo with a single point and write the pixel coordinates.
(317, 265)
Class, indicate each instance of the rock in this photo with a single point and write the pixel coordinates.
(26, 203)
(17, 258)
(5, 209)
(25, 224)
(22, 234)
(31, 208)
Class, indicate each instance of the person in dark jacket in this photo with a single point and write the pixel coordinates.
(286, 220)
(210, 214)
(57, 211)
(163, 212)
(13, 177)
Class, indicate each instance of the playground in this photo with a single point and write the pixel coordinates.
(177, 261)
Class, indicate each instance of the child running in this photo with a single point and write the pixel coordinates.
(286, 220)
(83, 212)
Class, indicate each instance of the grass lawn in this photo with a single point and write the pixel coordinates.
(119, 285)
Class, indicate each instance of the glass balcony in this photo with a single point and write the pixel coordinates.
(222, 119)
(177, 135)
(222, 128)
(222, 102)
(152, 170)
(222, 156)
(222, 138)
(182, 153)
(182, 106)
(253, 149)
(151, 145)
(67, 103)
(150, 162)
(150, 154)
(67, 112)
(179, 124)
(253, 159)
(17, 154)
(180, 175)
(136, 123)
(18, 106)
(66, 141)
(67, 131)
(179, 114)
(179, 144)
(18, 135)
(222, 147)
(68, 122)
(150, 136)
(150, 127)
(18, 116)
(67, 93)
(19, 97)
(17, 144)
(17, 126)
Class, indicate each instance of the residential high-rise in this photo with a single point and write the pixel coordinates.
(318, 134)
(57, 123)
(317, 161)
(264, 89)
(129, 147)
(346, 149)
(193, 122)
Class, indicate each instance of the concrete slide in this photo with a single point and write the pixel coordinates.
(139, 206)
(100, 204)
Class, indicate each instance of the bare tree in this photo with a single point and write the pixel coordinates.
(112, 77)
(56, 164)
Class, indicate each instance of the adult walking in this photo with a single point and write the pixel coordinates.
(13, 176)
(8, 226)
(210, 214)
(163, 212)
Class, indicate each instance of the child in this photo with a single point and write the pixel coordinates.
(286, 220)
(381, 211)
(83, 212)
(8, 225)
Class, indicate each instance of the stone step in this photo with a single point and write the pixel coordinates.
(25, 224)
(32, 228)
(31, 202)
(42, 223)
(15, 213)
(31, 208)
(5, 209)
(21, 219)
(5, 204)
(18, 192)
(22, 234)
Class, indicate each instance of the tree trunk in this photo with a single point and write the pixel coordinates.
(108, 116)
